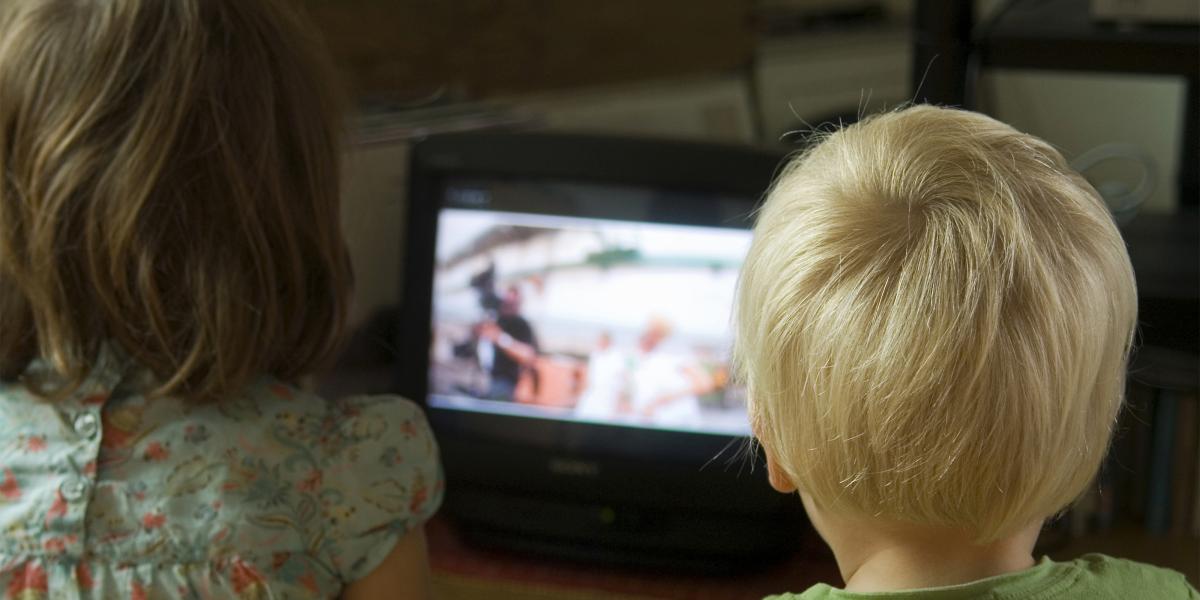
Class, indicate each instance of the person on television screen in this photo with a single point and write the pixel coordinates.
(606, 375)
(663, 384)
(514, 345)
(933, 325)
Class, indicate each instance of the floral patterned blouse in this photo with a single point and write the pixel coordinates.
(271, 493)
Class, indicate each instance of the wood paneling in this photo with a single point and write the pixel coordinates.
(481, 48)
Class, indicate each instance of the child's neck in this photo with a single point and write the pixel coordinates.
(880, 557)
(893, 565)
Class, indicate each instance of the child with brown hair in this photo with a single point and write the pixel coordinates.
(171, 261)
(934, 320)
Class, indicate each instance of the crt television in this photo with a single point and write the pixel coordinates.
(566, 322)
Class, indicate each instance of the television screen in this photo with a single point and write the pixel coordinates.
(572, 302)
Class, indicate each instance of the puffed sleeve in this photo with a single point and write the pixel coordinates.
(383, 479)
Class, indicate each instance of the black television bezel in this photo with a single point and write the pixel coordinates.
(510, 450)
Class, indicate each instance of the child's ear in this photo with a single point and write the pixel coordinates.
(776, 475)
(779, 480)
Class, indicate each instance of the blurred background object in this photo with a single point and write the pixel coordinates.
(1112, 84)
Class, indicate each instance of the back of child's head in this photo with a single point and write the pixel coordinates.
(170, 185)
(933, 323)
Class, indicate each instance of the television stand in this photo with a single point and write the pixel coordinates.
(679, 540)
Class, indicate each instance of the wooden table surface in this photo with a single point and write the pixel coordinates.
(464, 572)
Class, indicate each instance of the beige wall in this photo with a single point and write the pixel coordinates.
(373, 208)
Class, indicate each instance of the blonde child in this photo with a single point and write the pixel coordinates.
(170, 261)
(933, 324)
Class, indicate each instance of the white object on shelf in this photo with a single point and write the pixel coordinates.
(715, 109)
(1079, 111)
(1177, 12)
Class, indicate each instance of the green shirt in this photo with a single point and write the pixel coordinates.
(1091, 577)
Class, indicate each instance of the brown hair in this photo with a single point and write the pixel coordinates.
(170, 185)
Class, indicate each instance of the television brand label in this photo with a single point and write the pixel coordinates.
(470, 197)
(574, 468)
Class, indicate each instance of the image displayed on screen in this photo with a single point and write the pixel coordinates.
(589, 320)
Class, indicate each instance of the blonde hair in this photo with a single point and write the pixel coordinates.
(933, 323)
(170, 185)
